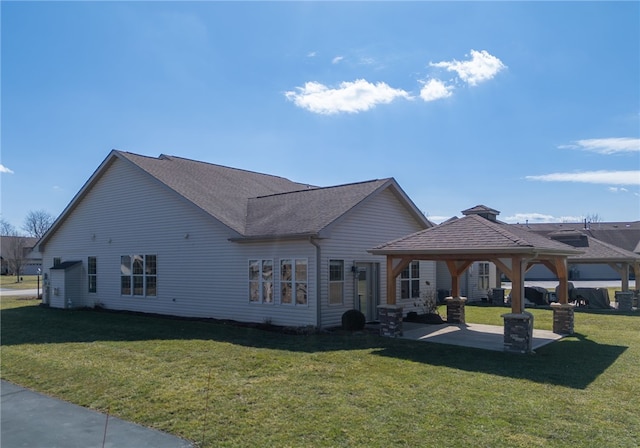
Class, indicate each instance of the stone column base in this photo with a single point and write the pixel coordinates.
(563, 317)
(625, 300)
(518, 332)
(390, 320)
(455, 310)
(497, 296)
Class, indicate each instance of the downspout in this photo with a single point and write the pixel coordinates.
(318, 301)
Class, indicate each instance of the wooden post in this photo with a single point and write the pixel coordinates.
(517, 286)
(563, 280)
(391, 282)
(625, 277)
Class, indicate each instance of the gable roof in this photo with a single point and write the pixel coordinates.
(307, 211)
(253, 205)
(473, 234)
(220, 191)
(593, 250)
(625, 235)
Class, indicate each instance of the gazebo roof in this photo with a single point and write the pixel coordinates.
(474, 235)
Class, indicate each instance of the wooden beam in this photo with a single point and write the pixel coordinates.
(623, 270)
(456, 268)
(502, 266)
(392, 274)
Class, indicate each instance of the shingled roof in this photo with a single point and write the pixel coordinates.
(474, 234)
(625, 235)
(593, 250)
(220, 191)
(252, 204)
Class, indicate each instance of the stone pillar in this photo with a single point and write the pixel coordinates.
(563, 318)
(518, 332)
(390, 320)
(497, 296)
(625, 300)
(455, 310)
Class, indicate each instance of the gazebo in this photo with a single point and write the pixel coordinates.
(462, 241)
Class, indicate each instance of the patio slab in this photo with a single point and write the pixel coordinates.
(486, 337)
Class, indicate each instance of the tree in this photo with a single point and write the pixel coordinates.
(37, 223)
(593, 218)
(14, 247)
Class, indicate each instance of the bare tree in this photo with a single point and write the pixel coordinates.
(593, 218)
(14, 248)
(37, 223)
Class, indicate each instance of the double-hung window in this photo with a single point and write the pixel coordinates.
(293, 281)
(92, 274)
(261, 281)
(336, 282)
(138, 275)
(483, 276)
(410, 281)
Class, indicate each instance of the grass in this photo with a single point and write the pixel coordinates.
(28, 282)
(224, 386)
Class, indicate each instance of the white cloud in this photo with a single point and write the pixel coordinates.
(4, 169)
(434, 89)
(530, 217)
(337, 59)
(311, 54)
(593, 177)
(351, 97)
(617, 190)
(606, 145)
(482, 67)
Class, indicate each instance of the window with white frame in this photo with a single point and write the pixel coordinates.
(336, 282)
(261, 281)
(293, 281)
(483, 276)
(92, 274)
(138, 275)
(410, 281)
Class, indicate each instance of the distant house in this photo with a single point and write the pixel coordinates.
(603, 241)
(19, 247)
(180, 237)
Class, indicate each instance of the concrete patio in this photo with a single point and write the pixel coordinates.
(487, 337)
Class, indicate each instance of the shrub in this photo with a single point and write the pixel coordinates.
(353, 320)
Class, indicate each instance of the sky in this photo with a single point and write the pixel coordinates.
(530, 108)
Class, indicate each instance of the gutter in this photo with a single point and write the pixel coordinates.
(318, 302)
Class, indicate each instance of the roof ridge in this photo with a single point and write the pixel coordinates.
(316, 188)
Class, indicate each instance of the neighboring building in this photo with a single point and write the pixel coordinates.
(180, 237)
(21, 246)
(622, 235)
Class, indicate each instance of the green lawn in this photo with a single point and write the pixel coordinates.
(225, 386)
(28, 282)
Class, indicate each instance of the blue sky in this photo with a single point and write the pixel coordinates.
(529, 108)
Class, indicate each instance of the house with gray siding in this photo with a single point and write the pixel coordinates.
(174, 236)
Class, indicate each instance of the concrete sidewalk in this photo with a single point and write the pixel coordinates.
(33, 420)
(487, 337)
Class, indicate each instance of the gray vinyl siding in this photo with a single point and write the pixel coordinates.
(380, 219)
(576, 272)
(200, 273)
